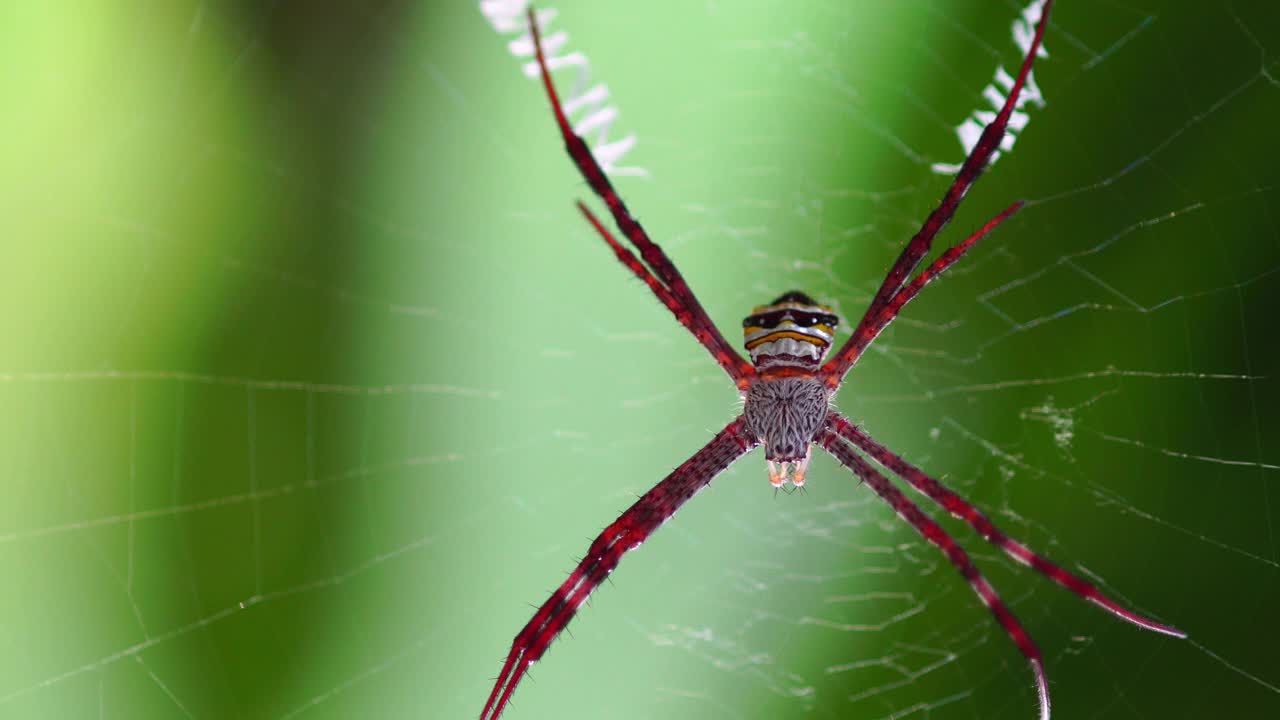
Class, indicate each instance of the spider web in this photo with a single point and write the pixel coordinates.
(315, 380)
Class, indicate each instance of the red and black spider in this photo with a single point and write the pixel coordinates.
(787, 392)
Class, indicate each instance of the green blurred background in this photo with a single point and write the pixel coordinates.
(313, 380)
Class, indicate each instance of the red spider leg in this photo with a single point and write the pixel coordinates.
(915, 250)
(870, 328)
(631, 529)
(933, 532)
(673, 304)
(739, 369)
(960, 508)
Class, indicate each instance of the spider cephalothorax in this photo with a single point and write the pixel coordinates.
(792, 331)
(787, 391)
(784, 414)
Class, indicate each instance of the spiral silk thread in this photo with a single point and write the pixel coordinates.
(1024, 29)
(589, 102)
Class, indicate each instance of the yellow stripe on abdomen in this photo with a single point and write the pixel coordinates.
(786, 334)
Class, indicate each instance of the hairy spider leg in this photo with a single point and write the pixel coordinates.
(631, 529)
(706, 332)
(870, 328)
(962, 509)
(914, 252)
(933, 532)
(626, 257)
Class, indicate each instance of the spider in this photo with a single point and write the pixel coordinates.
(787, 392)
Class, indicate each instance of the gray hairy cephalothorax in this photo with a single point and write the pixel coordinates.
(785, 414)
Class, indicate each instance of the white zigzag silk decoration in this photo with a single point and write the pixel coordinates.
(587, 102)
(1024, 29)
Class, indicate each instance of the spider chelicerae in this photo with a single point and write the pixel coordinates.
(787, 390)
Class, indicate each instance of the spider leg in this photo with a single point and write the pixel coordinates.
(631, 529)
(919, 246)
(739, 369)
(677, 308)
(932, 532)
(962, 509)
(871, 327)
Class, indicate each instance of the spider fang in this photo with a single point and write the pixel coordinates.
(779, 471)
(799, 468)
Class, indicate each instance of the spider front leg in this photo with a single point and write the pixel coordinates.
(835, 369)
(631, 529)
(831, 441)
(701, 332)
(874, 321)
(661, 272)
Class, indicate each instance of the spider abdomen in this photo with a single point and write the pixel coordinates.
(785, 414)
